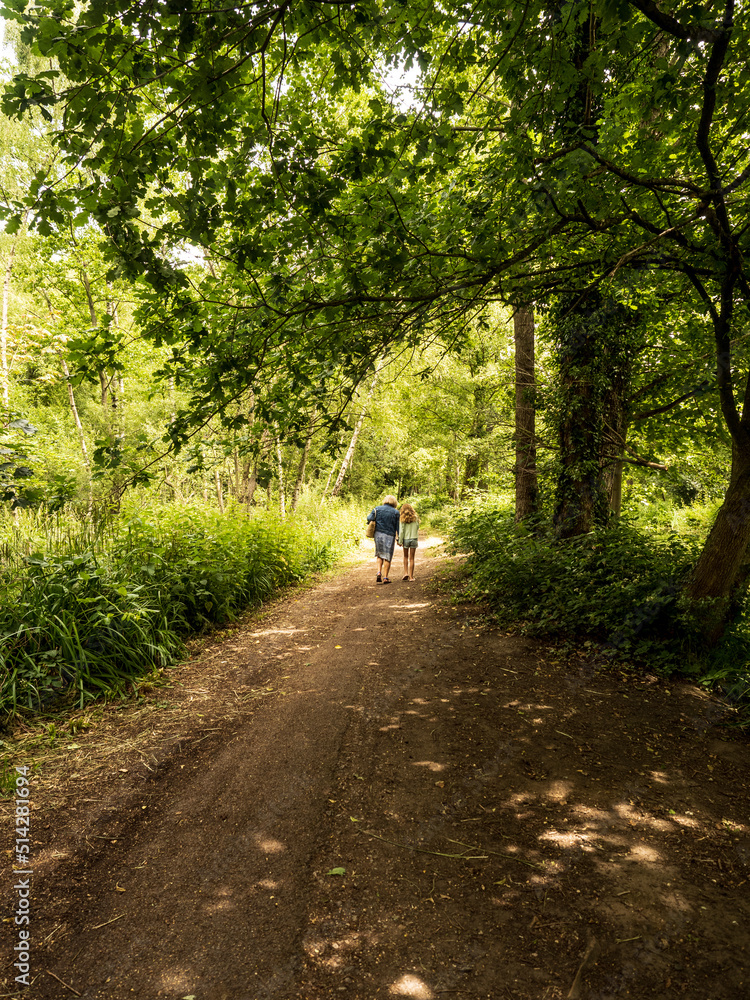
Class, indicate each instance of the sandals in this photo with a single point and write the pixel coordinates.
(404, 578)
(386, 580)
(378, 578)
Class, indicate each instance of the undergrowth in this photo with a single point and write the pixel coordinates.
(615, 589)
(87, 607)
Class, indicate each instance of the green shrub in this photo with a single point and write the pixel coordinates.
(617, 587)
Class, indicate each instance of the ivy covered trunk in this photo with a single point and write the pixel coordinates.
(594, 365)
(581, 499)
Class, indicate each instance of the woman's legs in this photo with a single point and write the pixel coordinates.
(412, 554)
(406, 563)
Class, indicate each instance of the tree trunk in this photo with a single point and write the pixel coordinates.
(280, 464)
(4, 330)
(300, 482)
(613, 485)
(721, 570)
(580, 489)
(4, 367)
(353, 443)
(527, 491)
(594, 357)
(79, 428)
(219, 490)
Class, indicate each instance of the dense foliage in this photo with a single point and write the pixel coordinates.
(615, 592)
(88, 610)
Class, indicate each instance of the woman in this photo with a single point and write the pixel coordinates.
(408, 534)
(385, 517)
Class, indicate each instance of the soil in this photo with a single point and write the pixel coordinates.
(368, 792)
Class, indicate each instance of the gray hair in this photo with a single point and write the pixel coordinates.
(390, 500)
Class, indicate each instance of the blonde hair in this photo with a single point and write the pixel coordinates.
(408, 514)
(390, 500)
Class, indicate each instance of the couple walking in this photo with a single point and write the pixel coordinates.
(390, 525)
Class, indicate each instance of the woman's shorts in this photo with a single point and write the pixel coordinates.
(410, 543)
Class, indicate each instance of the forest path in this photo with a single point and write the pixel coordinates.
(365, 792)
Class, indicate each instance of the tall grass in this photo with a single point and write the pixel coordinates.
(87, 606)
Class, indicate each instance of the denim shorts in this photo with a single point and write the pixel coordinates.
(410, 543)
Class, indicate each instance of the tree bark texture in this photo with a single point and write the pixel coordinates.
(355, 435)
(527, 490)
(280, 466)
(721, 570)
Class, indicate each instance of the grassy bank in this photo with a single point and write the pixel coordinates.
(87, 606)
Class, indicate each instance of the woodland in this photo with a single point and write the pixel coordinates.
(264, 262)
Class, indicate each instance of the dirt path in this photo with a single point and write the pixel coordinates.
(366, 793)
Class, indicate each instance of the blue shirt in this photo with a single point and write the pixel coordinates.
(387, 519)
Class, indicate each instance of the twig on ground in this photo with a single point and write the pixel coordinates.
(423, 850)
(64, 983)
(118, 917)
(509, 857)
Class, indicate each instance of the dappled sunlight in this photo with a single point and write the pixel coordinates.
(568, 839)
(431, 764)
(269, 844)
(660, 777)
(528, 706)
(559, 792)
(177, 979)
(276, 631)
(687, 821)
(332, 954)
(642, 852)
(410, 985)
(592, 814)
(268, 883)
(219, 906)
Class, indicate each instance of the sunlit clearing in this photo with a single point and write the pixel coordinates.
(411, 986)
(430, 764)
(269, 845)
